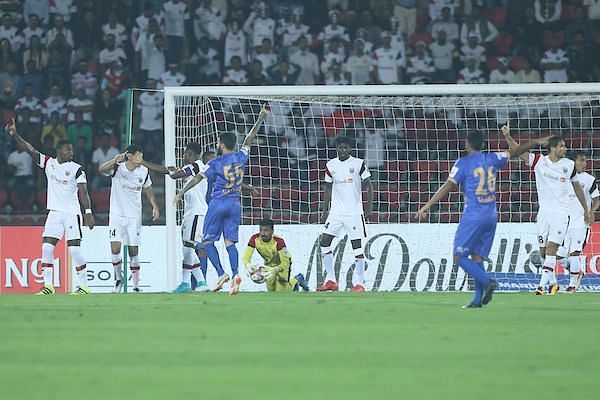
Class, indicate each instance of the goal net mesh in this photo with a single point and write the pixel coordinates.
(409, 144)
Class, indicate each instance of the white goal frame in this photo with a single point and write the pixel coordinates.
(173, 238)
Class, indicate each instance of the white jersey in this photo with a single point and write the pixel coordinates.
(126, 190)
(346, 177)
(387, 61)
(589, 186)
(553, 182)
(195, 198)
(62, 184)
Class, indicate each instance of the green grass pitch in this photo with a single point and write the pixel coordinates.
(299, 346)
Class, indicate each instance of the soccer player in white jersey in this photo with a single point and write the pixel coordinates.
(345, 178)
(66, 180)
(129, 177)
(579, 230)
(554, 178)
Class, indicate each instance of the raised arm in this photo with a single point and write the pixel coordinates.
(84, 199)
(513, 145)
(152, 199)
(11, 129)
(442, 192)
(368, 185)
(264, 112)
(109, 165)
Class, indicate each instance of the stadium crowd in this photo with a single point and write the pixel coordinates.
(65, 65)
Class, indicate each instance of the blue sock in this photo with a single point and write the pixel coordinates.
(234, 259)
(478, 288)
(203, 263)
(474, 270)
(213, 256)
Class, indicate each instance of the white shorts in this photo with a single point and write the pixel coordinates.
(551, 227)
(126, 230)
(574, 241)
(60, 223)
(352, 225)
(191, 229)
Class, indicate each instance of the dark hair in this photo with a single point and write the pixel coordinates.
(193, 146)
(574, 154)
(554, 141)
(62, 143)
(267, 222)
(344, 140)
(206, 154)
(475, 140)
(229, 139)
(133, 148)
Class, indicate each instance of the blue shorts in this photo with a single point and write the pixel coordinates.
(475, 236)
(223, 218)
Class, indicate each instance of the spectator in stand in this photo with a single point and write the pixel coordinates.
(477, 23)
(333, 29)
(33, 29)
(142, 23)
(79, 128)
(528, 35)
(81, 153)
(548, 12)
(58, 71)
(527, 74)
(9, 84)
(581, 57)
(54, 102)
(208, 21)
(373, 30)
(444, 54)
(471, 73)
(83, 77)
(63, 8)
(145, 48)
(361, 33)
(113, 27)
(116, 80)
(80, 104)
(54, 128)
(374, 148)
(30, 102)
(387, 63)
(110, 53)
(308, 63)
(406, 12)
(265, 54)
(336, 77)
(359, 65)
(473, 49)
(419, 68)
(48, 146)
(235, 75)
(172, 77)
(108, 111)
(6, 54)
(36, 53)
(150, 105)
(259, 25)
(284, 73)
(32, 77)
(436, 7)
(555, 63)
(60, 37)
(20, 171)
(446, 24)
(10, 32)
(580, 25)
(398, 44)
(88, 36)
(176, 14)
(235, 44)
(294, 31)
(102, 154)
(205, 62)
(257, 77)
(335, 54)
(502, 74)
(39, 8)
(593, 10)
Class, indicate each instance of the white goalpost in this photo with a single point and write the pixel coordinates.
(409, 137)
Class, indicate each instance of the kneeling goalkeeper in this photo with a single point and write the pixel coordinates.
(277, 259)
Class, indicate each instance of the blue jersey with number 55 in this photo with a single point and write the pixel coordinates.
(227, 173)
(476, 175)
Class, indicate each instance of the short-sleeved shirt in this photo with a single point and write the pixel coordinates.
(346, 178)
(227, 173)
(196, 202)
(589, 186)
(63, 179)
(553, 182)
(126, 190)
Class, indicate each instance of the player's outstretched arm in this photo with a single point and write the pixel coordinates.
(86, 203)
(326, 202)
(109, 165)
(152, 199)
(247, 259)
(512, 144)
(160, 169)
(581, 197)
(251, 137)
(193, 182)
(249, 189)
(522, 150)
(11, 129)
(442, 192)
(368, 185)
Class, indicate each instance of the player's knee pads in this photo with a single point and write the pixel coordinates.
(47, 253)
(189, 256)
(325, 250)
(135, 262)
(77, 256)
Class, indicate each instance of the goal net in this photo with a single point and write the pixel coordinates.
(409, 137)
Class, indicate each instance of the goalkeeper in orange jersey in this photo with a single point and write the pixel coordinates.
(277, 260)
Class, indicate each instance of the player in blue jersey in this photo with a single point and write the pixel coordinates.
(224, 210)
(476, 175)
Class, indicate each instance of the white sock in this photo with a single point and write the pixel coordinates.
(186, 274)
(117, 265)
(47, 262)
(548, 271)
(135, 271)
(79, 262)
(82, 277)
(198, 275)
(328, 263)
(575, 268)
(47, 273)
(359, 264)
